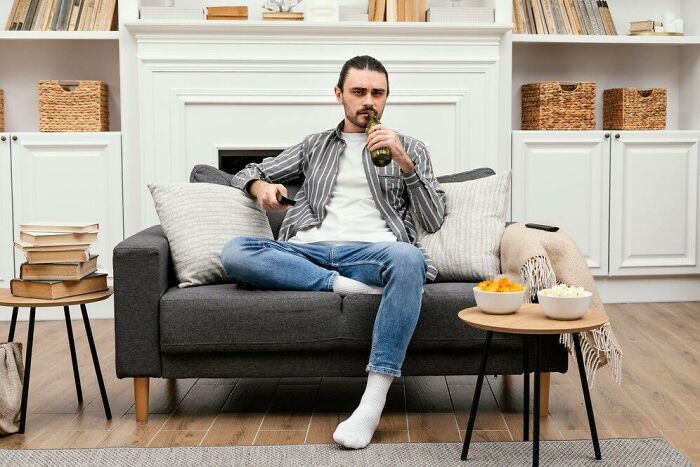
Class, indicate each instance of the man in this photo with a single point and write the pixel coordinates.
(350, 230)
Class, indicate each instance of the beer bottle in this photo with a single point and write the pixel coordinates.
(380, 157)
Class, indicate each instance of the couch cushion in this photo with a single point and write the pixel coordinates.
(438, 326)
(230, 317)
(466, 247)
(202, 173)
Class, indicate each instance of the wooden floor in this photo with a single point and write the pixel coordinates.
(660, 396)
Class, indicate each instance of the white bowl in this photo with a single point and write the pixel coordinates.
(498, 303)
(564, 308)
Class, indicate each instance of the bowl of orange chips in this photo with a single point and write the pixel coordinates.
(499, 296)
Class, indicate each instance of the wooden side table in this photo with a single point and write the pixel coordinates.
(9, 300)
(531, 322)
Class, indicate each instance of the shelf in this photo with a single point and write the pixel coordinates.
(407, 30)
(601, 39)
(63, 35)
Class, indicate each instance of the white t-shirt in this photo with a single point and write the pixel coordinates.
(351, 213)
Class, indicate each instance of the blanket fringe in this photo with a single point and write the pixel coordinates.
(598, 346)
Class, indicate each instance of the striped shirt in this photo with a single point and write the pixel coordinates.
(399, 196)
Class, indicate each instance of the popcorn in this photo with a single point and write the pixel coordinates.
(564, 291)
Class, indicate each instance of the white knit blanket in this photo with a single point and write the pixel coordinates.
(542, 259)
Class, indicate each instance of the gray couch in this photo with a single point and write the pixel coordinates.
(227, 330)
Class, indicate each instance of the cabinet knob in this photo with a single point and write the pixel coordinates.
(2, 138)
(617, 135)
(14, 138)
(607, 135)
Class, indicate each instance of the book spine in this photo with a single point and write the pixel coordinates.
(549, 16)
(11, 16)
(573, 14)
(583, 14)
(591, 17)
(565, 17)
(531, 29)
(539, 18)
(29, 18)
(558, 22)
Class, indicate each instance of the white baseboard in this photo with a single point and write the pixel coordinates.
(649, 289)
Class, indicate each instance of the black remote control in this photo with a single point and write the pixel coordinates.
(287, 201)
(548, 228)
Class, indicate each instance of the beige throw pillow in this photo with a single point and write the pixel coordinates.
(467, 246)
(198, 218)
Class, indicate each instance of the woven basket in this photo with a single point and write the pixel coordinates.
(2, 111)
(552, 105)
(634, 109)
(83, 108)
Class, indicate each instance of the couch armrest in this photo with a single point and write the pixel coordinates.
(141, 277)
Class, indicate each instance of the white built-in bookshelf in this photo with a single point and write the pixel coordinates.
(610, 61)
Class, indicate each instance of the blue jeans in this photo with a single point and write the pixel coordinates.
(398, 267)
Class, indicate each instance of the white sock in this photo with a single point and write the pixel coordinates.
(345, 285)
(356, 432)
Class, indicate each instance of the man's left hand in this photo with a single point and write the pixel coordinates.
(382, 137)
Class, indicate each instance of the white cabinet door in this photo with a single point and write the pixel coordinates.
(654, 203)
(561, 178)
(70, 177)
(7, 259)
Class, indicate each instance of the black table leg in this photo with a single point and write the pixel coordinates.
(477, 394)
(526, 387)
(586, 395)
(27, 370)
(74, 358)
(536, 411)
(13, 325)
(96, 362)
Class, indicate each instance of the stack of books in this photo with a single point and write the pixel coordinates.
(577, 17)
(59, 263)
(62, 15)
(637, 27)
(397, 10)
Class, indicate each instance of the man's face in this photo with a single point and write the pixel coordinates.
(363, 90)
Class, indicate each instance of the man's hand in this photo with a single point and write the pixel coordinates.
(382, 137)
(268, 195)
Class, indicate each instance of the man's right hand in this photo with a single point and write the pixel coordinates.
(268, 195)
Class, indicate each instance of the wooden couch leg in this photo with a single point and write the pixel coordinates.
(544, 394)
(141, 398)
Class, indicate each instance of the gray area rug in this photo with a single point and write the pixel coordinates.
(616, 452)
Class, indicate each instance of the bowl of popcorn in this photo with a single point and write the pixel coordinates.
(564, 302)
(499, 296)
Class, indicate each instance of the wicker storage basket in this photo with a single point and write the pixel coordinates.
(634, 109)
(552, 105)
(84, 108)
(2, 111)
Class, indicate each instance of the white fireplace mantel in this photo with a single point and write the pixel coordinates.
(198, 87)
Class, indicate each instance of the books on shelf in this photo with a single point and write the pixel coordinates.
(62, 15)
(51, 290)
(59, 263)
(574, 17)
(397, 10)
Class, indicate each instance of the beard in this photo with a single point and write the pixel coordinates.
(361, 118)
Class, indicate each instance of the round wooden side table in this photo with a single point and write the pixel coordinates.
(9, 300)
(531, 322)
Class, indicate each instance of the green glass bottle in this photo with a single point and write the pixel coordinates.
(380, 157)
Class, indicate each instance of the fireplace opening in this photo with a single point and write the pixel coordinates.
(233, 160)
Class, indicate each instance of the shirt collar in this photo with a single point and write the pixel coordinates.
(339, 129)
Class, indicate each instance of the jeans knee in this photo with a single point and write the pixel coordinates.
(408, 258)
(233, 254)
